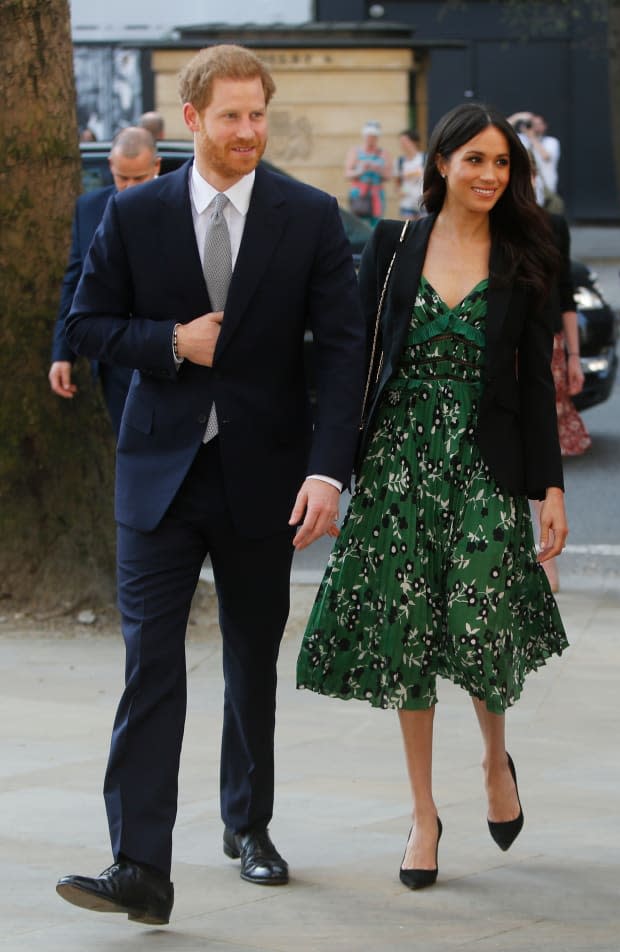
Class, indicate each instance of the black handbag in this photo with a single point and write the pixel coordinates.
(376, 353)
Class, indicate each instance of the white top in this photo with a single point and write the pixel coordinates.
(548, 168)
(410, 184)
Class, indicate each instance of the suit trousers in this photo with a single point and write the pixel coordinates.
(157, 575)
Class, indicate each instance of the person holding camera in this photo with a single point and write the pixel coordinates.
(532, 130)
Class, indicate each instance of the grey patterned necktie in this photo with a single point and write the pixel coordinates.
(218, 256)
(218, 270)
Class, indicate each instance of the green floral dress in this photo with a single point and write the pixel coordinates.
(434, 571)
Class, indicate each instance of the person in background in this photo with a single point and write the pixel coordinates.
(133, 160)
(547, 152)
(532, 130)
(435, 571)
(368, 167)
(154, 122)
(206, 281)
(408, 174)
(565, 363)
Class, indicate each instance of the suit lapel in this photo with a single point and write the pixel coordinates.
(178, 239)
(265, 222)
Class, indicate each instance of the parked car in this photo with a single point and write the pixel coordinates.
(597, 325)
(597, 338)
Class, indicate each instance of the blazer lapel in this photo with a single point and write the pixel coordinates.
(403, 288)
(498, 300)
(179, 239)
(265, 222)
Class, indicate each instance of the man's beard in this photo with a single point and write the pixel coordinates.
(227, 163)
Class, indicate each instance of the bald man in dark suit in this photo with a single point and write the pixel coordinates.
(133, 160)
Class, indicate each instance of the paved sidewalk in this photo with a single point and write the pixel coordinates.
(342, 807)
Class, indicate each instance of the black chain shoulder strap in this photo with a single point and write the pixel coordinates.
(373, 375)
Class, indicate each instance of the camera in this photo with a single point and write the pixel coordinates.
(523, 125)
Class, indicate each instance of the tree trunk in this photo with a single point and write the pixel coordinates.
(56, 456)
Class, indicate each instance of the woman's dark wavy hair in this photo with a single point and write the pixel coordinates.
(519, 227)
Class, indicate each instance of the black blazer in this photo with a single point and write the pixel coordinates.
(517, 427)
(294, 271)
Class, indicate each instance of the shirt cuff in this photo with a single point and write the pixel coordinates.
(328, 479)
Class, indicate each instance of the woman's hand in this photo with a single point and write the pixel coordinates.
(575, 375)
(315, 512)
(553, 524)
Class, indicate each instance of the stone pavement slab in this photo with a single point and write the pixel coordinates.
(342, 810)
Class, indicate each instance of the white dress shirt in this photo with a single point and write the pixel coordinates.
(235, 212)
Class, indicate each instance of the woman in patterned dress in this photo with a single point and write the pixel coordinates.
(435, 571)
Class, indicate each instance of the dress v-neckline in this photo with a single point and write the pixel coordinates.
(463, 299)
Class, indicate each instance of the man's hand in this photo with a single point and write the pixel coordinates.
(196, 341)
(553, 525)
(60, 378)
(317, 504)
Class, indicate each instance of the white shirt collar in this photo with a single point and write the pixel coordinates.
(238, 194)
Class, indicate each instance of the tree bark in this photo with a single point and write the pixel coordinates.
(56, 456)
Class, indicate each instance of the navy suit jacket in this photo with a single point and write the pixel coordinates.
(517, 425)
(89, 210)
(294, 271)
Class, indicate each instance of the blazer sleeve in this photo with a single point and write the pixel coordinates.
(102, 324)
(565, 279)
(60, 345)
(543, 461)
(333, 314)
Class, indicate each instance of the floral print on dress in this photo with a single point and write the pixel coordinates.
(434, 572)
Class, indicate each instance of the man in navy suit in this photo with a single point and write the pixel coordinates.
(268, 481)
(133, 159)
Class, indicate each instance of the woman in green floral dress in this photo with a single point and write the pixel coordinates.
(435, 571)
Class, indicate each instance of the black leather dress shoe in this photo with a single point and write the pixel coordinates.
(260, 861)
(123, 887)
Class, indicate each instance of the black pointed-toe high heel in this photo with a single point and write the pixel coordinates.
(419, 878)
(506, 833)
